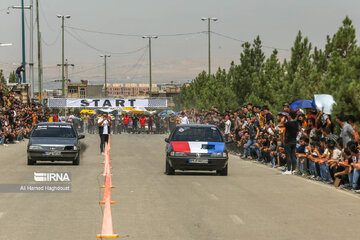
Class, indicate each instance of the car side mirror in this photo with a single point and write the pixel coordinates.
(167, 140)
(81, 136)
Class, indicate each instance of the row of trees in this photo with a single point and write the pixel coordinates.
(259, 80)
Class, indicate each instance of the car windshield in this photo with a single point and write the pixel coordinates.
(201, 134)
(60, 131)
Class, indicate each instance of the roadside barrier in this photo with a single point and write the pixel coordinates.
(107, 230)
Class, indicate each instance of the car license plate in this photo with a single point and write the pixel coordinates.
(198, 160)
(53, 153)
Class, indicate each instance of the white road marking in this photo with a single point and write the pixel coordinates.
(196, 184)
(1, 214)
(213, 197)
(236, 219)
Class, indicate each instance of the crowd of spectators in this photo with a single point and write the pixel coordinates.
(300, 142)
(16, 118)
(128, 123)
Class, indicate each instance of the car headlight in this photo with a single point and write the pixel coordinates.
(177, 154)
(218, 154)
(35, 147)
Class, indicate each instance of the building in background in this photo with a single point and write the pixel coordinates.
(95, 91)
(116, 90)
(52, 93)
(168, 90)
(130, 90)
(77, 90)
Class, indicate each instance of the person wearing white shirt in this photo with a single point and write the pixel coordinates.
(183, 118)
(227, 127)
(104, 130)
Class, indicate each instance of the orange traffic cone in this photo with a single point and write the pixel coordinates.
(106, 147)
(107, 225)
(106, 165)
(108, 182)
(107, 191)
(109, 141)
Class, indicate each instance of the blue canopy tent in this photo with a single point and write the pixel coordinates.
(301, 104)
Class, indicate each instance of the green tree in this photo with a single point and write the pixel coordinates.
(259, 80)
(297, 69)
(267, 88)
(12, 78)
(2, 82)
(342, 79)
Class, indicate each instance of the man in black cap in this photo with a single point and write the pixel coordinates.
(287, 108)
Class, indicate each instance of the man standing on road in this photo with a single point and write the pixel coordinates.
(92, 124)
(291, 132)
(126, 120)
(104, 130)
(86, 123)
(142, 123)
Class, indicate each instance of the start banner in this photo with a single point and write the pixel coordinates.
(106, 102)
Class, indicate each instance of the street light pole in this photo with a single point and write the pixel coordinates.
(23, 39)
(105, 57)
(63, 52)
(39, 52)
(62, 58)
(208, 19)
(31, 63)
(150, 71)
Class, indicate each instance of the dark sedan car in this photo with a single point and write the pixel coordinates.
(196, 147)
(54, 142)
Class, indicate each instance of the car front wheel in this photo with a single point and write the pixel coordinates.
(77, 160)
(223, 172)
(168, 169)
(30, 161)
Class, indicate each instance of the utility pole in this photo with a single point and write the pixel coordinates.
(66, 74)
(105, 57)
(31, 63)
(39, 52)
(209, 54)
(150, 72)
(63, 51)
(23, 40)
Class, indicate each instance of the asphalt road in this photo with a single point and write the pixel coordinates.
(253, 202)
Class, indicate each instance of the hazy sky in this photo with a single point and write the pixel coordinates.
(178, 58)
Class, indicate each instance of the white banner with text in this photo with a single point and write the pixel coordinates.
(106, 102)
